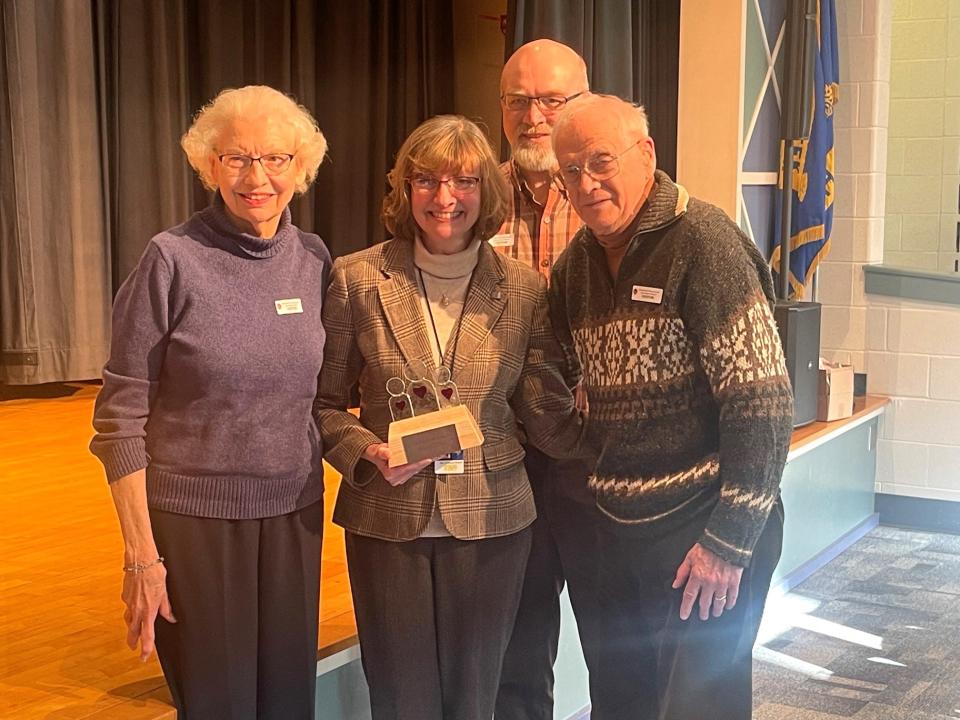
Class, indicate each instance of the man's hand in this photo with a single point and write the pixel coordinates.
(379, 455)
(715, 581)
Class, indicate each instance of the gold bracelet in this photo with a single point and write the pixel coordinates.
(139, 567)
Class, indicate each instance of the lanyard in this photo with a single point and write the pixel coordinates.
(433, 323)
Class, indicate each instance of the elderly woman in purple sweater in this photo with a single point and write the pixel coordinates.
(204, 422)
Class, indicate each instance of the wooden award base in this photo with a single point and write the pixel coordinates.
(433, 435)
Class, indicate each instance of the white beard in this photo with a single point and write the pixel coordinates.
(535, 158)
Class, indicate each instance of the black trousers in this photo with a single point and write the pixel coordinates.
(245, 594)
(434, 616)
(564, 549)
(655, 665)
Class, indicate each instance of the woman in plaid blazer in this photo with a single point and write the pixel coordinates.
(436, 560)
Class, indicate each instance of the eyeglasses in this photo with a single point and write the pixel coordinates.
(272, 164)
(516, 102)
(459, 186)
(599, 167)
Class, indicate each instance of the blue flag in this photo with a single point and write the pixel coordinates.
(811, 178)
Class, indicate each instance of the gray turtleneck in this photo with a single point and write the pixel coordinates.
(211, 381)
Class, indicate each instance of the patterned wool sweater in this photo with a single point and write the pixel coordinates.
(689, 392)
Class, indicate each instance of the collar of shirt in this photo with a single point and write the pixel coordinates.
(520, 185)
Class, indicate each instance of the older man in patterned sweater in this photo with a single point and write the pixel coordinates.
(664, 308)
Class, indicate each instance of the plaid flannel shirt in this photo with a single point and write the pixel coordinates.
(536, 234)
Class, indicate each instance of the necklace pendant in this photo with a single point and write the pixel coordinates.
(444, 300)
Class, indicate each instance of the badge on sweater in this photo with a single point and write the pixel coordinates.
(647, 294)
(290, 306)
(501, 240)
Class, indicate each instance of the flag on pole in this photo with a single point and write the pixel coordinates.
(811, 177)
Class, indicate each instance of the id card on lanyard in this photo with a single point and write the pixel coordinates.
(451, 464)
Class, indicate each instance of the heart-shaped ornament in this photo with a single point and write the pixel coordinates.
(420, 392)
(447, 393)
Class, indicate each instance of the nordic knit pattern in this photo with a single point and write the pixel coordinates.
(208, 386)
(690, 394)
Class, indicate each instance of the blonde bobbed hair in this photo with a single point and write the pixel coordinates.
(254, 101)
(446, 143)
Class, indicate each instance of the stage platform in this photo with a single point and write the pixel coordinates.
(62, 649)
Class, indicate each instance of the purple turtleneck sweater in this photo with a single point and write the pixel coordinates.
(210, 383)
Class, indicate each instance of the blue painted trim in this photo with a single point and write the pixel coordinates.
(797, 576)
(913, 284)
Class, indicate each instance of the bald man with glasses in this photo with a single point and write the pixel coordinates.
(538, 81)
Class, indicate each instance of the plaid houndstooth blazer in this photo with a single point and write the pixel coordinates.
(506, 367)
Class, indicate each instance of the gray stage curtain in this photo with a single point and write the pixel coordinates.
(369, 72)
(631, 47)
(54, 264)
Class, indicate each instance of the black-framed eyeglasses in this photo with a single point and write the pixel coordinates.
(517, 102)
(599, 167)
(272, 163)
(459, 186)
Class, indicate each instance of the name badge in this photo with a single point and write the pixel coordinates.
(290, 306)
(452, 464)
(502, 240)
(647, 294)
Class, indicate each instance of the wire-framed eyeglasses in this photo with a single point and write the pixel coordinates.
(599, 167)
(459, 186)
(518, 102)
(272, 163)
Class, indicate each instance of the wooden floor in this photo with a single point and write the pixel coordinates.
(62, 650)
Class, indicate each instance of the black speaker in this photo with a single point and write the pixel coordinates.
(799, 327)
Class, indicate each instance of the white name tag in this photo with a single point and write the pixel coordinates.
(290, 306)
(502, 240)
(647, 294)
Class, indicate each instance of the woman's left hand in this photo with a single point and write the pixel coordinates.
(379, 455)
(145, 595)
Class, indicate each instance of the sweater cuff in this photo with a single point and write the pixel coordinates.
(726, 550)
(123, 457)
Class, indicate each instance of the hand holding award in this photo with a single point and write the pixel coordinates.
(428, 419)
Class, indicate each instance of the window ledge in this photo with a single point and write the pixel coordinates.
(914, 284)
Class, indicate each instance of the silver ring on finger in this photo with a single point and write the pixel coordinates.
(720, 599)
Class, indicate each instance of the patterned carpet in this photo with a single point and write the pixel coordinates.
(874, 634)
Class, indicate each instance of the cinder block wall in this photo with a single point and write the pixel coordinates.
(911, 350)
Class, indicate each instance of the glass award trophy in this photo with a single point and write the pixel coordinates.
(428, 419)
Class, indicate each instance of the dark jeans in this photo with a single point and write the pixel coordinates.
(655, 665)
(434, 616)
(245, 594)
(563, 549)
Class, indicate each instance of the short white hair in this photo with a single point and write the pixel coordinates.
(253, 101)
(632, 116)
